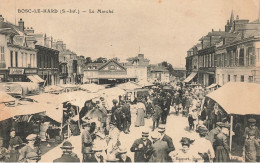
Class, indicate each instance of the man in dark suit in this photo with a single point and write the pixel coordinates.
(126, 117)
(166, 138)
(140, 148)
(68, 155)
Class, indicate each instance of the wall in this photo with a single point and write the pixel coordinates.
(224, 72)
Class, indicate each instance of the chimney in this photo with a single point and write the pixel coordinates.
(237, 17)
(140, 55)
(1, 18)
(212, 30)
(64, 46)
(21, 24)
(29, 30)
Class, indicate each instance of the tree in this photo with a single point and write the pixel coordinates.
(168, 67)
(88, 60)
(100, 60)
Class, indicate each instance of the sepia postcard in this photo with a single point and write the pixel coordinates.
(130, 81)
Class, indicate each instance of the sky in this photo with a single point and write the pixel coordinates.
(162, 30)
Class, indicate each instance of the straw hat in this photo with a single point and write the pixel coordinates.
(66, 145)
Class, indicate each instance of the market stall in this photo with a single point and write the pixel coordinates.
(91, 87)
(241, 102)
(6, 98)
(53, 89)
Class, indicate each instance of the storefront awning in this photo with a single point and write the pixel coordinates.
(35, 78)
(238, 98)
(190, 77)
(38, 78)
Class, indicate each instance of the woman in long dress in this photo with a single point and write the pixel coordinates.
(140, 114)
(222, 153)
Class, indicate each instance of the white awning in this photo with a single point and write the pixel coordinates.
(213, 85)
(190, 77)
(33, 79)
(38, 78)
(238, 98)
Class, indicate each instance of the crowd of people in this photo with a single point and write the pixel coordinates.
(101, 141)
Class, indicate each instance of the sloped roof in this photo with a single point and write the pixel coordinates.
(159, 68)
(111, 60)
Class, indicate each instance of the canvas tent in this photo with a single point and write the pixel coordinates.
(91, 87)
(129, 86)
(9, 112)
(238, 98)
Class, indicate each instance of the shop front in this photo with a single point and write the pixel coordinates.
(207, 75)
(24, 75)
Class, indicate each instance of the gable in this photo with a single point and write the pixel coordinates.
(112, 65)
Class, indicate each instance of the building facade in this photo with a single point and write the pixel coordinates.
(158, 73)
(18, 54)
(111, 72)
(137, 67)
(228, 56)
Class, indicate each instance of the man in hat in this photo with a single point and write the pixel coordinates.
(114, 101)
(164, 137)
(122, 156)
(14, 143)
(204, 146)
(30, 147)
(140, 148)
(4, 155)
(211, 135)
(86, 140)
(126, 116)
(117, 117)
(157, 111)
(96, 155)
(159, 149)
(67, 154)
(252, 127)
(250, 148)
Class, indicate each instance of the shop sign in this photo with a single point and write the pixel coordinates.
(16, 71)
(30, 71)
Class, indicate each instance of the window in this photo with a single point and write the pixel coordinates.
(217, 78)
(250, 79)
(235, 78)
(26, 56)
(210, 55)
(241, 57)
(252, 60)
(30, 61)
(225, 60)
(223, 79)
(2, 57)
(16, 59)
(222, 60)
(228, 78)
(213, 60)
(22, 59)
(11, 58)
(229, 59)
(242, 78)
(236, 58)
